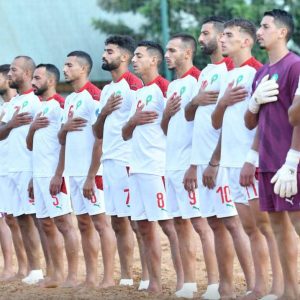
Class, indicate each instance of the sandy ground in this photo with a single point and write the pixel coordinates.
(17, 290)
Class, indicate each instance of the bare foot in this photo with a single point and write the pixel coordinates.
(6, 275)
(86, 285)
(69, 283)
(51, 283)
(16, 277)
(106, 284)
(232, 297)
(253, 295)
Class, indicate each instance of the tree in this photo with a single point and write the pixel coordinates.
(187, 15)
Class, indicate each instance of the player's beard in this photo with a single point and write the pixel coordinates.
(210, 47)
(2, 92)
(14, 84)
(40, 91)
(110, 66)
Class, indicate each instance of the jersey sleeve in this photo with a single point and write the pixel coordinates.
(297, 93)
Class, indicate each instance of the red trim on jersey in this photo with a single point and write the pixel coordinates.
(133, 81)
(60, 99)
(228, 61)
(162, 84)
(252, 62)
(94, 91)
(193, 71)
(99, 182)
(27, 92)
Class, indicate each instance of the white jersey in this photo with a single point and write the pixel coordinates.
(149, 141)
(19, 158)
(46, 147)
(4, 143)
(114, 147)
(79, 144)
(205, 137)
(236, 138)
(179, 135)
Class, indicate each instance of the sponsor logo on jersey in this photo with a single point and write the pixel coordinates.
(182, 90)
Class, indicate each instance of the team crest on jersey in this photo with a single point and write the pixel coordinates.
(97, 112)
(25, 103)
(148, 99)
(78, 104)
(275, 76)
(117, 93)
(239, 79)
(45, 110)
(214, 78)
(182, 90)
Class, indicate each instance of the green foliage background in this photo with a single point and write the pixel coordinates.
(187, 15)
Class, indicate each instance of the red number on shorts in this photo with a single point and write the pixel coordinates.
(225, 194)
(93, 199)
(160, 200)
(56, 202)
(128, 196)
(254, 190)
(192, 196)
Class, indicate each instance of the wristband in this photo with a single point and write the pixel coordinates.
(292, 158)
(252, 157)
(212, 165)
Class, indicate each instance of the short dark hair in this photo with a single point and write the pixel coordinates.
(153, 47)
(245, 26)
(125, 42)
(53, 70)
(29, 62)
(281, 17)
(186, 39)
(4, 69)
(217, 21)
(84, 56)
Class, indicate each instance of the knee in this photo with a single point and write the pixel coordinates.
(264, 227)
(47, 226)
(11, 221)
(144, 228)
(181, 225)
(84, 224)
(62, 225)
(215, 224)
(23, 221)
(233, 225)
(168, 227)
(119, 224)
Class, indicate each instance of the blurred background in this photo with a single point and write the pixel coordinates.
(48, 30)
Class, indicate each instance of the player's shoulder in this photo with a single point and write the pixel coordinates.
(192, 72)
(161, 83)
(60, 99)
(253, 63)
(132, 80)
(91, 90)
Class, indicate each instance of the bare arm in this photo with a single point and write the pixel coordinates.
(73, 124)
(56, 181)
(16, 121)
(39, 122)
(231, 96)
(294, 112)
(112, 104)
(172, 107)
(88, 187)
(139, 118)
(251, 119)
(203, 98)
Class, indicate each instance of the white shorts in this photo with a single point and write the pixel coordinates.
(181, 203)
(116, 188)
(240, 194)
(47, 205)
(216, 202)
(148, 198)
(17, 189)
(5, 197)
(82, 205)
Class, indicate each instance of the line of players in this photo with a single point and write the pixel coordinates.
(184, 154)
